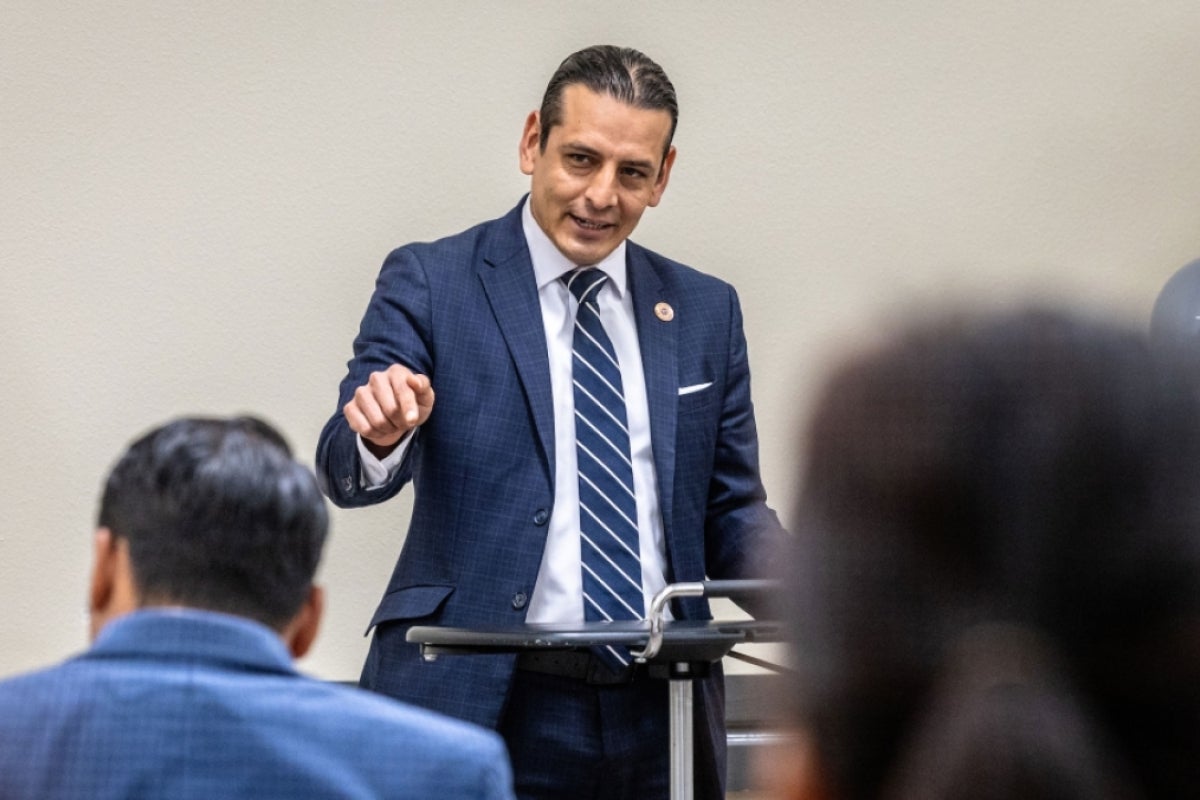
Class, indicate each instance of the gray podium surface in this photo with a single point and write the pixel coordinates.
(695, 641)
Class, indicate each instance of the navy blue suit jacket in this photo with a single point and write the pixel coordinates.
(465, 311)
(190, 704)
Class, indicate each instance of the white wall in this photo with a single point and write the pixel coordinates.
(195, 198)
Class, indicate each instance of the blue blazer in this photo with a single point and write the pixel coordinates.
(188, 704)
(465, 311)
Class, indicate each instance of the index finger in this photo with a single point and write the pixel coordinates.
(418, 382)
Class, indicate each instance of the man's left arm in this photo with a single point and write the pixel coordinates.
(741, 530)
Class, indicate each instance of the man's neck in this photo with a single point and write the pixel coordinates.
(549, 263)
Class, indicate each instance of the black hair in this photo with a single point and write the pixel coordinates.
(1032, 471)
(621, 72)
(218, 516)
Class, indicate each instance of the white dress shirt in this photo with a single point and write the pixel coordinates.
(558, 594)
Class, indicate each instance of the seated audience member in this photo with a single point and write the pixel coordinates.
(1175, 320)
(201, 593)
(995, 591)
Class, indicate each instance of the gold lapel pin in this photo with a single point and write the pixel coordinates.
(664, 312)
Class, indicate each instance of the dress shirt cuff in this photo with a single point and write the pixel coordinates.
(377, 473)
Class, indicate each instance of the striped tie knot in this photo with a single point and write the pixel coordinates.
(584, 283)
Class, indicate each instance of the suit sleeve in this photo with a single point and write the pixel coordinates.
(740, 528)
(396, 329)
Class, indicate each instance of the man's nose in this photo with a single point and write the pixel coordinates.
(602, 188)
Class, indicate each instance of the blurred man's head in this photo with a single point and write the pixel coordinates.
(998, 567)
(212, 514)
(1175, 320)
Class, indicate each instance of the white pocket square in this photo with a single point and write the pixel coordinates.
(695, 387)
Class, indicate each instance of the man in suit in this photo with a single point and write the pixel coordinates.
(505, 514)
(201, 594)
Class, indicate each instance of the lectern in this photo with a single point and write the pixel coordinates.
(678, 651)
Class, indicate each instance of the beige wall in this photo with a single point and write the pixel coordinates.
(195, 198)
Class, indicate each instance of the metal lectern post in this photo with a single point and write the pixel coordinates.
(681, 739)
(681, 674)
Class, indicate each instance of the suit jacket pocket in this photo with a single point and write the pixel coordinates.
(410, 603)
(694, 400)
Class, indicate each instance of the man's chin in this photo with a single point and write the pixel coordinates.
(586, 253)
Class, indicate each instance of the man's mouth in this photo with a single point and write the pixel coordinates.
(591, 224)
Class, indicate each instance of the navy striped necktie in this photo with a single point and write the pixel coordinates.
(609, 549)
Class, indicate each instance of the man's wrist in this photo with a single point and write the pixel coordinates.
(382, 451)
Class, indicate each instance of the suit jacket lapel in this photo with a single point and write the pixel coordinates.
(508, 281)
(658, 341)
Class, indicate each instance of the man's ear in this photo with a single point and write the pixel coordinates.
(112, 592)
(530, 147)
(664, 175)
(301, 632)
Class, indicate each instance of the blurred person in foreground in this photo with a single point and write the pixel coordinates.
(201, 594)
(995, 590)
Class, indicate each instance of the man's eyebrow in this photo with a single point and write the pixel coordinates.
(579, 147)
(640, 163)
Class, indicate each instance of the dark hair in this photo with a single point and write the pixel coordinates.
(1034, 473)
(622, 72)
(218, 516)
(1175, 320)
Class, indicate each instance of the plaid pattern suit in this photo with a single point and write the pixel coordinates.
(464, 310)
(188, 705)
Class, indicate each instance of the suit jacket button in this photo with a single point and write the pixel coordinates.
(519, 600)
(540, 516)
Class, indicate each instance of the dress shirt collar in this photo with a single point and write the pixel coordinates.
(549, 263)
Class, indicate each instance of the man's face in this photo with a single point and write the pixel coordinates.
(603, 165)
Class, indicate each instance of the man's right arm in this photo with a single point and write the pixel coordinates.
(387, 392)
